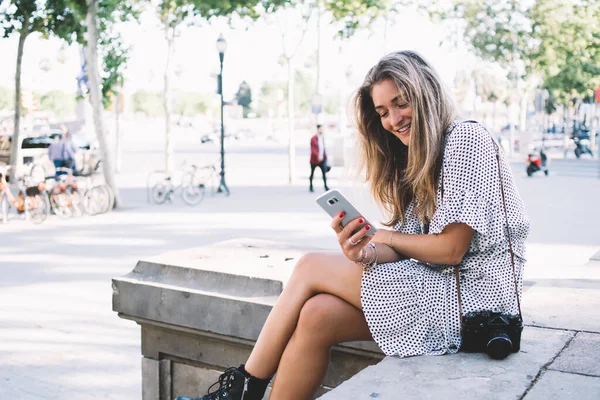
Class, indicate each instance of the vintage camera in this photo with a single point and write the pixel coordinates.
(494, 333)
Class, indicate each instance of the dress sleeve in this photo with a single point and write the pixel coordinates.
(469, 191)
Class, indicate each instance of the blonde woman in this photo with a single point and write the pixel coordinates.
(439, 180)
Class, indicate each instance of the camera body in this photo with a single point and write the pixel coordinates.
(490, 332)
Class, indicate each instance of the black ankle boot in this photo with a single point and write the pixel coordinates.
(235, 384)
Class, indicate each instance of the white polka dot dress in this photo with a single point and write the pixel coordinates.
(412, 307)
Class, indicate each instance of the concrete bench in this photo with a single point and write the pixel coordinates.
(201, 311)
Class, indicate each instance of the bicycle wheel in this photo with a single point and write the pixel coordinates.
(105, 198)
(76, 207)
(111, 198)
(91, 202)
(193, 194)
(160, 193)
(36, 208)
(60, 205)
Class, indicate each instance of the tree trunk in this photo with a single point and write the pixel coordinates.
(525, 136)
(170, 36)
(118, 158)
(14, 154)
(292, 145)
(96, 96)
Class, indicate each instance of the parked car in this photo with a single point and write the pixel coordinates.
(87, 154)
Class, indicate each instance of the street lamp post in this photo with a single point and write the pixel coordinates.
(221, 47)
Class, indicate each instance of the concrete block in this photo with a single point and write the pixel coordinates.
(465, 376)
(150, 381)
(555, 385)
(206, 350)
(201, 311)
(227, 288)
(166, 379)
(192, 381)
(582, 356)
(564, 304)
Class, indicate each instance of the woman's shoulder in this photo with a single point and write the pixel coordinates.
(471, 140)
(467, 131)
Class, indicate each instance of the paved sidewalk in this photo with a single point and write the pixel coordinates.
(559, 357)
(59, 338)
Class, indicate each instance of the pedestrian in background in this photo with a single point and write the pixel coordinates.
(318, 157)
(61, 152)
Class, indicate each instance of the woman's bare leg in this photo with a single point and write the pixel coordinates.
(330, 273)
(325, 320)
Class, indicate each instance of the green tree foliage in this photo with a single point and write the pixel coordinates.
(272, 97)
(244, 97)
(7, 99)
(354, 15)
(24, 17)
(113, 51)
(496, 29)
(190, 103)
(273, 94)
(58, 102)
(303, 91)
(568, 54)
(147, 102)
(558, 40)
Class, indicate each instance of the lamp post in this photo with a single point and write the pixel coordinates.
(221, 47)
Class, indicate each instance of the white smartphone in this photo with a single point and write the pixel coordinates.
(334, 202)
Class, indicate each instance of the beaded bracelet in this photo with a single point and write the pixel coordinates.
(374, 257)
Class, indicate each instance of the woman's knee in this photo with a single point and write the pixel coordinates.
(316, 321)
(307, 265)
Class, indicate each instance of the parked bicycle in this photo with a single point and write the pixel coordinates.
(98, 197)
(191, 180)
(31, 199)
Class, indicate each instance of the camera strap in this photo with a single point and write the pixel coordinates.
(512, 254)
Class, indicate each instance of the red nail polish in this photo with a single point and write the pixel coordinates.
(341, 215)
(360, 221)
(368, 227)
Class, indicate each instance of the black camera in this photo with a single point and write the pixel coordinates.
(491, 332)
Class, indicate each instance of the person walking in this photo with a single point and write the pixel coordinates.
(61, 152)
(318, 157)
(456, 229)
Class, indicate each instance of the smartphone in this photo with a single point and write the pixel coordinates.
(334, 202)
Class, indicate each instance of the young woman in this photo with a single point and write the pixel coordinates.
(439, 181)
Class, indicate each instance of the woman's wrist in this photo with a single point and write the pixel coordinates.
(369, 256)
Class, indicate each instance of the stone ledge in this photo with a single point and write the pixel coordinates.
(464, 376)
(201, 311)
(227, 288)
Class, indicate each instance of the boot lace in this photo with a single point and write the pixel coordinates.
(225, 382)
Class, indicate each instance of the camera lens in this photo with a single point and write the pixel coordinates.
(499, 346)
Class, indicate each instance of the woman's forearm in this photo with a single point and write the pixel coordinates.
(386, 254)
(447, 247)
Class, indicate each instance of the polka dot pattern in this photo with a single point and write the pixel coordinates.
(412, 307)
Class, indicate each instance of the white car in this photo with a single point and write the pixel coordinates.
(87, 156)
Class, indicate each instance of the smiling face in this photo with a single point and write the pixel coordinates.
(394, 110)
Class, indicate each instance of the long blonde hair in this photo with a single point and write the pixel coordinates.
(397, 175)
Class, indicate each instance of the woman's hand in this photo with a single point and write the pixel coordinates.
(353, 245)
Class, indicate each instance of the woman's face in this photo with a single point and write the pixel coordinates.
(395, 112)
